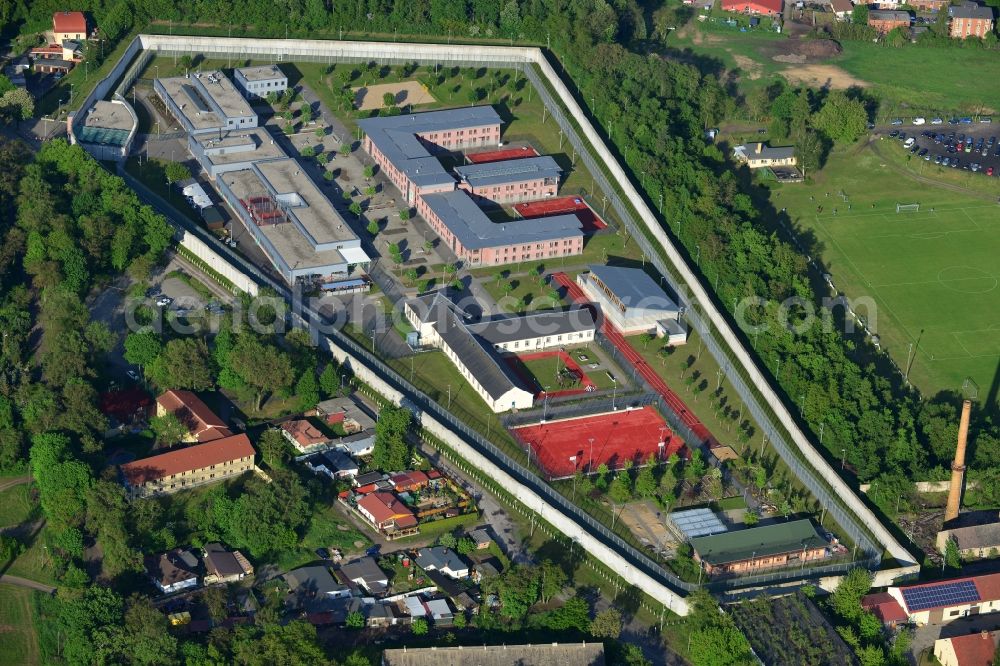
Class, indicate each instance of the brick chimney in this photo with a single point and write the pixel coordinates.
(958, 466)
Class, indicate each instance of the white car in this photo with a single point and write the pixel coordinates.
(909, 142)
(919, 121)
(132, 374)
(163, 301)
(936, 121)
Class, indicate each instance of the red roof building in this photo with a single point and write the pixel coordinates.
(189, 466)
(304, 436)
(765, 7)
(386, 511)
(411, 481)
(201, 422)
(69, 25)
(943, 601)
(884, 607)
(968, 650)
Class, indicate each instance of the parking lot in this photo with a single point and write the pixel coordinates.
(971, 146)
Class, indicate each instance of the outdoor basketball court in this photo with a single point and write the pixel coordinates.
(561, 206)
(611, 438)
(500, 155)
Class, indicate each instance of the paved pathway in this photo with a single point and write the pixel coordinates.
(24, 582)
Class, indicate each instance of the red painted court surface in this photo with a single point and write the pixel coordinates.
(618, 436)
(500, 155)
(562, 206)
(531, 382)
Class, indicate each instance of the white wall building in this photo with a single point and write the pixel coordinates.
(257, 82)
(629, 298)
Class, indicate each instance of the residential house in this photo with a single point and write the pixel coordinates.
(977, 649)
(358, 445)
(313, 589)
(345, 414)
(970, 19)
(375, 480)
(943, 601)
(189, 467)
(885, 20)
(545, 654)
(445, 560)
(201, 422)
(304, 436)
(223, 565)
(366, 573)
(173, 571)
(759, 155)
(331, 463)
(386, 512)
(759, 548)
(413, 481)
(414, 607)
(763, 7)
(69, 26)
(842, 9)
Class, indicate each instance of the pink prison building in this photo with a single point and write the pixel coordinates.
(511, 181)
(403, 145)
(479, 241)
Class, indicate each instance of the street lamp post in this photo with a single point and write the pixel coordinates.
(614, 393)
(591, 465)
(843, 458)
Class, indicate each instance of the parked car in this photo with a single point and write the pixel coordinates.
(985, 120)
(989, 171)
(893, 134)
(163, 301)
(132, 374)
(937, 159)
(955, 162)
(936, 121)
(945, 161)
(965, 121)
(923, 151)
(909, 142)
(919, 120)
(896, 121)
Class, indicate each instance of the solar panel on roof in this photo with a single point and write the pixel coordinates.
(937, 596)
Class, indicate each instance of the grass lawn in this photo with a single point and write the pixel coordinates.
(17, 505)
(18, 641)
(524, 288)
(932, 275)
(34, 564)
(325, 532)
(940, 86)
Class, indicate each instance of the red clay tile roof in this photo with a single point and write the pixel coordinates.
(303, 432)
(974, 649)
(761, 6)
(884, 606)
(194, 414)
(384, 506)
(188, 459)
(74, 22)
(406, 480)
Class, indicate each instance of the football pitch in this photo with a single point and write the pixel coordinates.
(933, 275)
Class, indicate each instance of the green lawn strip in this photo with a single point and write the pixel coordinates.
(34, 563)
(18, 641)
(435, 528)
(527, 288)
(17, 505)
(325, 530)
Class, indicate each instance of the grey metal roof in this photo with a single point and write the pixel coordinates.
(439, 557)
(476, 231)
(395, 137)
(341, 462)
(499, 331)
(970, 10)
(509, 171)
(365, 569)
(307, 582)
(480, 362)
(632, 286)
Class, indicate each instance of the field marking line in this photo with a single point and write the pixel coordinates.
(964, 348)
(966, 213)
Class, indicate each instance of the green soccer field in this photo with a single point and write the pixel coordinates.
(933, 275)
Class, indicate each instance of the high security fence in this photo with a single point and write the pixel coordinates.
(762, 402)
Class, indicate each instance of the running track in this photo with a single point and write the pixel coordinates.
(612, 333)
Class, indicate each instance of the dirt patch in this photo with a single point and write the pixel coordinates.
(818, 49)
(406, 93)
(823, 76)
(750, 67)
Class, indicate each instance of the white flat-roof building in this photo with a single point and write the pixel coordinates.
(629, 298)
(236, 150)
(205, 102)
(298, 228)
(257, 82)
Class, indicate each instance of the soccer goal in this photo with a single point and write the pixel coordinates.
(907, 208)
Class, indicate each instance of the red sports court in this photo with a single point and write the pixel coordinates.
(530, 382)
(560, 206)
(500, 155)
(626, 434)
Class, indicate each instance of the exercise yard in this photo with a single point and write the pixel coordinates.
(406, 93)
(552, 372)
(611, 439)
(932, 274)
